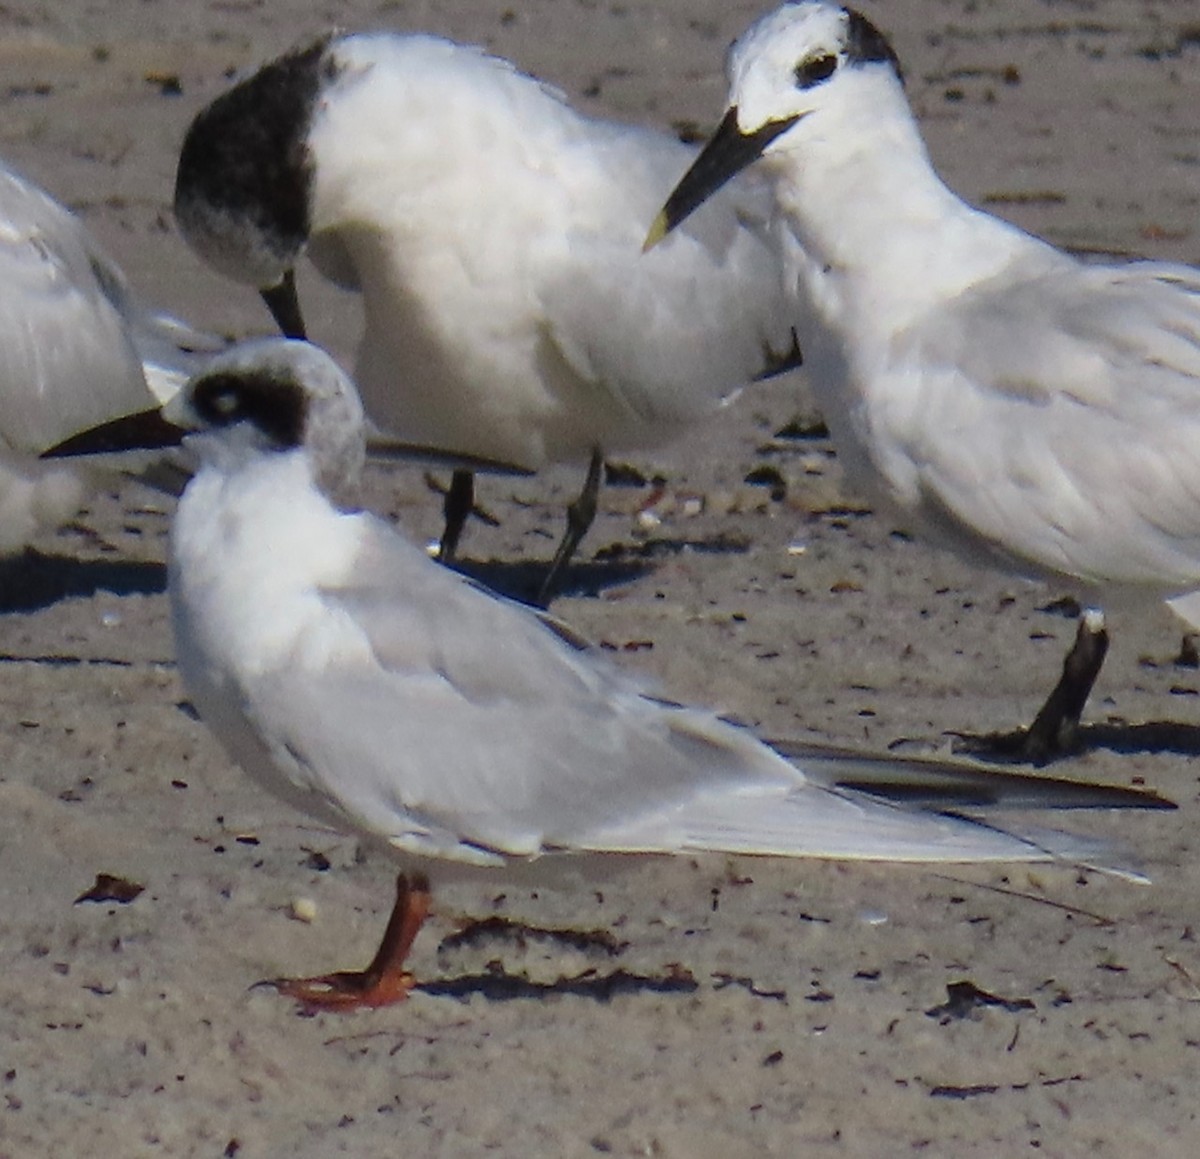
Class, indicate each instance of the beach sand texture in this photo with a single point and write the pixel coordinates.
(812, 1029)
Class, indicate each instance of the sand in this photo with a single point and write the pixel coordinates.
(132, 1029)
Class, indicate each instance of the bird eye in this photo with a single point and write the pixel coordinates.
(225, 405)
(218, 401)
(814, 70)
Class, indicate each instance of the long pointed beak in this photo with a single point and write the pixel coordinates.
(144, 431)
(726, 154)
(284, 304)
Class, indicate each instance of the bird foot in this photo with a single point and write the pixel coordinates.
(580, 516)
(384, 981)
(346, 991)
(1055, 730)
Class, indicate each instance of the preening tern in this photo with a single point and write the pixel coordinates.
(495, 234)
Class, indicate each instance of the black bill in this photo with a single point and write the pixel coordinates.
(727, 153)
(147, 430)
(284, 304)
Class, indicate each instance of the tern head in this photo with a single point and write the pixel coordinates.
(787, 72)
(244, 180)
(268, 396)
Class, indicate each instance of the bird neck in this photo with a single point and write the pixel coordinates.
(884, 239)
(252, 545)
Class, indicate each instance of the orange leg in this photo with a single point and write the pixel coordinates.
(385, 980)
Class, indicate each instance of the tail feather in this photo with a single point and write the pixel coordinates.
(814, 822)
(957, 784)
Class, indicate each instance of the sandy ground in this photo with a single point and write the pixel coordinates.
(131, 1029)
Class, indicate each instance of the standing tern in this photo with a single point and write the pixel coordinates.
(495, 235)
(1034, 413)
(388, 696)
(75, 349)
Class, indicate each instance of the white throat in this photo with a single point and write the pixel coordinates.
(885, 240)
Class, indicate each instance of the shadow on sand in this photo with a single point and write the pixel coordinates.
(522, 580)
(1155, 736)
(32, 581)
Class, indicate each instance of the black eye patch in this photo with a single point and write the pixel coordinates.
(814, 70)
(277, 406)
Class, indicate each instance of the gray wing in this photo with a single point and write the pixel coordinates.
(77, 348)
(66, 361)
(943, 784)
(471, 728)
(1056, 421)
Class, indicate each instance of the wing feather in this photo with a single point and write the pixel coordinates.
(1074, 451)
(477, 730)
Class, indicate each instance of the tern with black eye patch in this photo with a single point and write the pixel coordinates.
(392, 698)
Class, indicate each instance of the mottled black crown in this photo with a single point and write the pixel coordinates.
(277, 405)
(245, 156)
(865, 43)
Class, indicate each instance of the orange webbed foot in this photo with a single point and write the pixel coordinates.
(384, 981)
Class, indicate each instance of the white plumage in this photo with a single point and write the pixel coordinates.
(394, 698)
(77, 349)
(495, 234)
(1035, 413)
(339, 664)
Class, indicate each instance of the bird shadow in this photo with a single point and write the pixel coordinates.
(500, 986)
(612, 566)
(522, 580)
(1153, 737)
(666, 546)
(33, 581)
